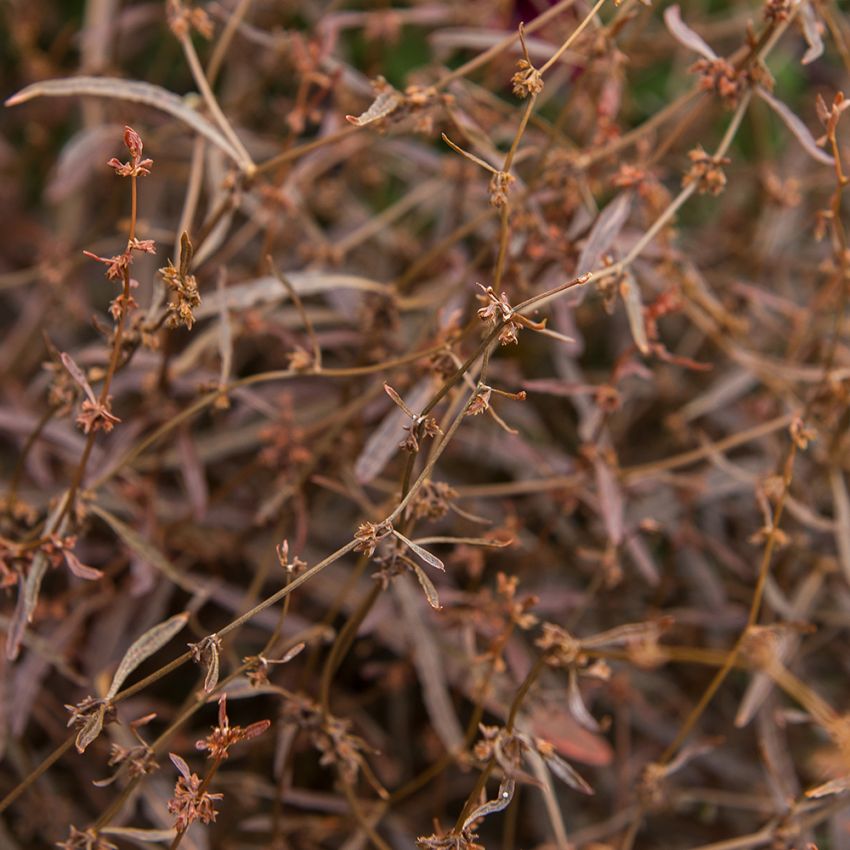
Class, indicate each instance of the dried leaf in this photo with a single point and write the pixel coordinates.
(424, 554)
(384, 440)
(610, 500)
(78, 375)
(28, 591)
(292, 652)
(566, 773)
(684, 34)
(225, 333)
(834, 786)
(145, 646)
(605, 230)
(192, 471)
(213, 664)
(269, 290)
(797, 127)
(430, 665)
(90, 729)
(642, 559)
(79, 569)
(841, 504)
(383, 105)
(142, 548)
(630, 292)
(82, 155)
(181, 765)
(620, 635)
(398, 401)
(132, 91)
(811, 32)
(146, 836)
(502, 801)
(427, 586)
(577, 706)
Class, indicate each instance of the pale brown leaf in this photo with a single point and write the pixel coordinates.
(146, 836)
(385, 103)
(811, 32)
(841, 505)
(132, 91)
(797, 127)
(502, 801)
(684, 34)
(630, 292)
(145, 646)
(604, 232)
(90, 729)
(427, 585)
(424, 554)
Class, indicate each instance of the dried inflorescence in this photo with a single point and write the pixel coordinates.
(706, 172)
(218, 743)
(183, 286)
(681, 448)
(191, 801)
(184, 16)
(331, 736)
(137, 165)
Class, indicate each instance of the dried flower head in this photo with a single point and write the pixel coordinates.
(333, 738)
(183, 286)
(136, 167)
(433, 500)
(560, 647)
(830, 115)
(480, 401)
(369, 534)
(722, 78)
(115, 266)
(527, 80)
(500, 184)
(97, 415)
(706, 172)
(190, 802)
(224, 736)
(776, 11)
(293, 566)
(183, 18)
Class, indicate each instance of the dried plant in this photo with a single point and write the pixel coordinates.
(456, 394)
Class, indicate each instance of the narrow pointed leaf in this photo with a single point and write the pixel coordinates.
(797, 127)
(145, 646)
(78, 375)
(424, 554)
(630, 292)
(146, 836)
(577, 707)
(141, 547)
(567, 773)
(684, 34)
(841, 506)
(427, 586)
(292, 652)
(90, 730)
(502, 801)
(127, 90)
(811, 32)
(81, 570)
(604, 232)
(181, 765)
